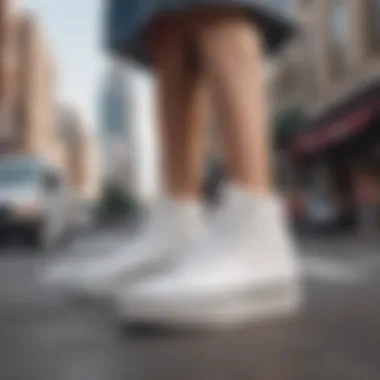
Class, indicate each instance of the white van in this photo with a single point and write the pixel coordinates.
(34, 200)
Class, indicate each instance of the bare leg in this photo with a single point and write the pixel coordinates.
(182, 108)
(232, 56)
(178, 222)
(245, 268)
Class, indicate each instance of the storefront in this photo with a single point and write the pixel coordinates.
(343, 144)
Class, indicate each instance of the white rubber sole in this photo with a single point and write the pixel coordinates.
(105, 287)
(228, 312)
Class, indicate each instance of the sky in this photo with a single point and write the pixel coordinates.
(73, 28)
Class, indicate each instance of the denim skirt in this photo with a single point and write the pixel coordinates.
(126, 20)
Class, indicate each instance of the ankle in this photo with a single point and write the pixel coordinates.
(250, 189)
(262, 188)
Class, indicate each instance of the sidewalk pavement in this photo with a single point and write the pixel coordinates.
(335, 337)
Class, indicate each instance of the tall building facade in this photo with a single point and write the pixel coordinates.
(332, 70)
(114, 123)
(35, 107)
(8, 24)
(6, 21)
(28, 109)
(82, 156)
(128, 131)
(337, 50)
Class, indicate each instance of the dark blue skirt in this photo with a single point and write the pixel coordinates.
(127, 19)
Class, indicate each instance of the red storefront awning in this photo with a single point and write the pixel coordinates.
(336, 131)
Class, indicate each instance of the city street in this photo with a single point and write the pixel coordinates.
(45, 337)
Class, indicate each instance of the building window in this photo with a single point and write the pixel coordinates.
(287, 81)
(340, 37)
(374, 25)
(306, 3)
(311, 63)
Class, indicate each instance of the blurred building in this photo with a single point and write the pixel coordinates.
(82, 156)
(114, 125)
(29, 123)
(7, 62)
(35, 109)
(7, 17)
(332, 71)
(128, 131)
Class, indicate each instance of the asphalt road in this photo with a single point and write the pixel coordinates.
(337, 335)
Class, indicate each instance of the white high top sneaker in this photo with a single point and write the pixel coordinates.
(172, 228)
(245, 269)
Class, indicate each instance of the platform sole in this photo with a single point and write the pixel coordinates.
(103, 288)
(226, 312)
